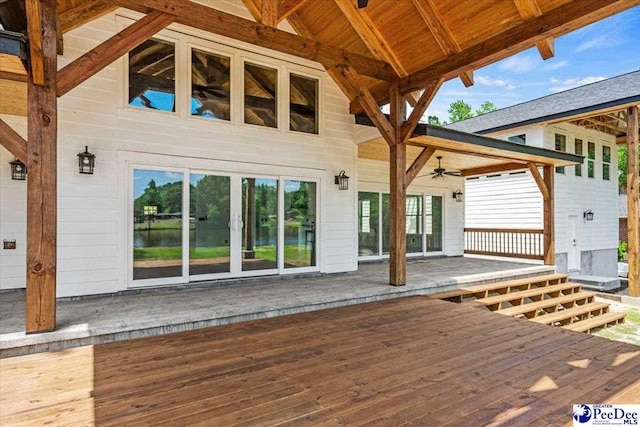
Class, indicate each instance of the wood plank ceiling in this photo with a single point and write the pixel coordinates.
(414, 41)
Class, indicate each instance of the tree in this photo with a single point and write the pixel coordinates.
(434, 120)
(459, 110)
(486, 107)
(622, 166)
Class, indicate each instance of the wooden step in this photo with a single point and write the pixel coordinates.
(566, 316)
(484, 291)
(535, 294)
(549, 305)
(611, 318)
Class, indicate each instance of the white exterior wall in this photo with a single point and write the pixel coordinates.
(514, 201)
(93, 219)
(373, 176)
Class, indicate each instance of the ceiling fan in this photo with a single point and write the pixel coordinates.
(440, 172)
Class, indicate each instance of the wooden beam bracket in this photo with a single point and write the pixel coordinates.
(13, 142)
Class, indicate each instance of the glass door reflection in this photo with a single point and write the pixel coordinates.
(157, 224)
(299, 224)
(259, 224)
(209, 219)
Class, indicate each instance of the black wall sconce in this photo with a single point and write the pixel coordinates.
(458, 195)
(342, 181)
(86, 161)
(588, 215)
(18, 170)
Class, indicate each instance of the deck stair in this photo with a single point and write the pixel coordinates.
(548, 299)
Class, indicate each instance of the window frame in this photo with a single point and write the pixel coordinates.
(606, 165)
(560, 169)
(232, 83)
(244, 60)
(318, 81)
(578, 168)
(591, 162)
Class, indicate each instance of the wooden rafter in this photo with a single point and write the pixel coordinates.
(86, 11)
(288, 7)
(369, 34)
(485, 170)
(605, 124)
(269, 12)
(13, 142)
(95, 60)
(563, 19)
(442, 34)
(254, 8)
(34, 30)
(529, 9)
(418, 164)
(214, 21)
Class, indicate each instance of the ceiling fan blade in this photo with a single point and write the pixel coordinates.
(362, 4)
(452, 173)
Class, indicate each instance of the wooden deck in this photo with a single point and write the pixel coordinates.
(411, 360)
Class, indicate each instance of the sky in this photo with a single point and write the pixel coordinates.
(605, 49)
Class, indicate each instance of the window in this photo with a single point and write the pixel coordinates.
(579, 151)
(561, 145)
(606, 163)
(591, 159)
(260, 95)
(413, 211)
(368, 224)
(518, 139)
(152, 74)
(210, 85)
(303, 104)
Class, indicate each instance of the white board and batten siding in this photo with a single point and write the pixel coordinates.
(93, 210)
(514, 201)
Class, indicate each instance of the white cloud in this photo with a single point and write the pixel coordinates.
(554, 80)
(519, 64)
(600, 42)
(491, 82)
(556, 65)
(571, 83)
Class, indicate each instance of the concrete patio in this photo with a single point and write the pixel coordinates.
(141, 313)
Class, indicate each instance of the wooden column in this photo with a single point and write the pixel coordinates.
(398, 192)
(41, 182)
(549, 215)
(633, 225)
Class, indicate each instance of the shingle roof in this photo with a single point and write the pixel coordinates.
(607, 93)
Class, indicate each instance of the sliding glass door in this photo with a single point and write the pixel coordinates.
(197, 225)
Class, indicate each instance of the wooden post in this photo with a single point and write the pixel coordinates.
(633, 248)
(398, 193)
(549, 214)
(40, 307)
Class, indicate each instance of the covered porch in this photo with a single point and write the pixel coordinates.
(142, 313)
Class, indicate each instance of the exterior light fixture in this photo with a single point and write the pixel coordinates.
(342, 181)
(588, 215)
(18, 170)
(86, 161)
(458, 195)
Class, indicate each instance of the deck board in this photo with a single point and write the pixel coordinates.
(410, 360)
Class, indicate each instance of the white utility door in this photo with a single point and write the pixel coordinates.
(574, 244)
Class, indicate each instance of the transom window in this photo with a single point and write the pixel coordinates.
(152, 75)
(210, 85)
(260, 95)
(303, 104)
(518, 139)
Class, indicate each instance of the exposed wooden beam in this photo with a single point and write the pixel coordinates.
(15, 77)
(34, 31)
(549, 239)
(269, 11)
(418, 164)
(254, 9)
(529, 9)
(397, 192)
(486, 170)
(633, 205)
(418, 111)
(86, 11)
(40, 307)
(288, 7)
(607, 125)
(442, 34)
(358, 91)
(412, 98)
(96, 59)
(467, 78)
(565, 18)
(370, 35)
(214, 21)
(533, 168)
(13, 142)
